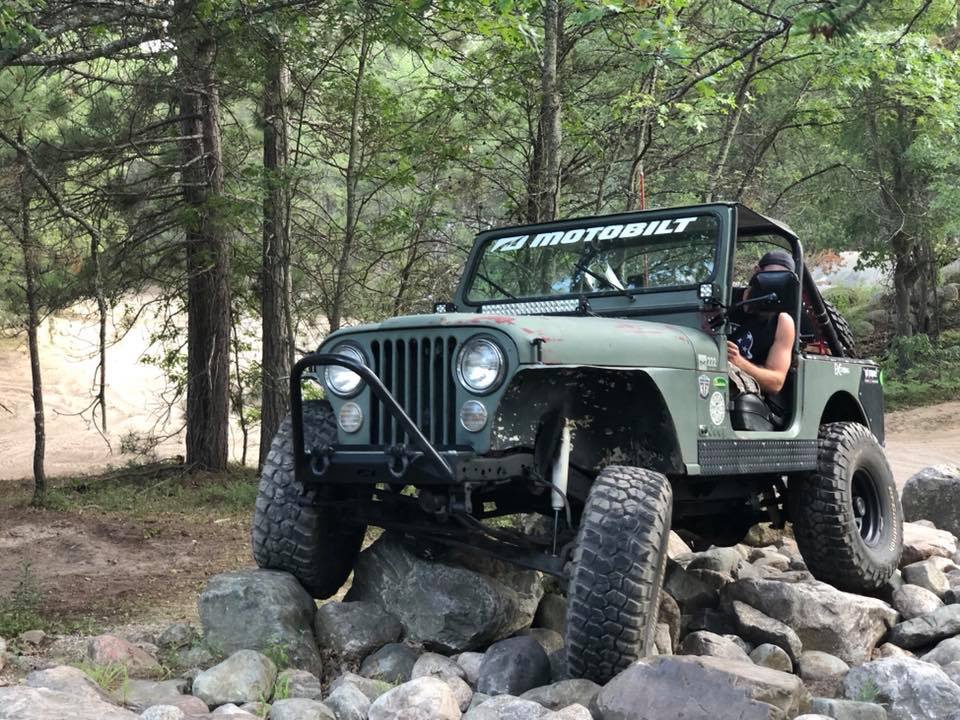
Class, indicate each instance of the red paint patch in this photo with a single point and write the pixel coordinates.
(635, 329)
(497, 319)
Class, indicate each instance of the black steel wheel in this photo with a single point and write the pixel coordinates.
(618, 568)
(847, 516)
(316, 545)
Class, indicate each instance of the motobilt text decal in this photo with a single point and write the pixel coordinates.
(589, 234)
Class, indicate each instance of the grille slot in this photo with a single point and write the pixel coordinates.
(418, 373)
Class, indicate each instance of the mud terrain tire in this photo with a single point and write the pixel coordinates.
(847, 517)
(844, 333)
(311, 543)
(618, 568)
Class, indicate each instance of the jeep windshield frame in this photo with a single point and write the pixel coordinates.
(579, 242)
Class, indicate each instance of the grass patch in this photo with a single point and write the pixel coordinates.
(112, 678)
(921, 371)
(22, 610)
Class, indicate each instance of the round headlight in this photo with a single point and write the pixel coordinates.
(350, 417)
(473, 415)
(480, 365)
(340, 380)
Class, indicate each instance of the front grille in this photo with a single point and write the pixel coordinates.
(418, 373)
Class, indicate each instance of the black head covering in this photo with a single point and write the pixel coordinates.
(778, 257)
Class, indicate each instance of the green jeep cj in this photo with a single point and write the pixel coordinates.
(581, 373)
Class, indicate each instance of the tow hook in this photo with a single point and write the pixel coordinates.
(399, 461)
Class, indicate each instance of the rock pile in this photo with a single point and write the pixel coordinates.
(743, 632)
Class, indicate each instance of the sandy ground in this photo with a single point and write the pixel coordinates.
(922, 437)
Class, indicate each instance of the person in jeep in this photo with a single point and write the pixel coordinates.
(760, 349)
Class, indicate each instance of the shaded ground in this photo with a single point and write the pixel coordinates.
(922, 437)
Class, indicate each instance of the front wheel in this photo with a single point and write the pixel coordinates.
(618, 569)
(313, 543)
(847, 517)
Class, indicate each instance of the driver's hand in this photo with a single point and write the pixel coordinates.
(733, 353)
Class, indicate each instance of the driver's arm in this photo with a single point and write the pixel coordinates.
(773, 375)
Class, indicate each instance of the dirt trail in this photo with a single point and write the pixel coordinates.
(922, 437)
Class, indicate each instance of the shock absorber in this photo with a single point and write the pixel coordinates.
(558, 477)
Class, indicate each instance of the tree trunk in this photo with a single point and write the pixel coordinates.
(352, 174)
(31, 272)
(208, 288)
(551, 133)
(275, 271)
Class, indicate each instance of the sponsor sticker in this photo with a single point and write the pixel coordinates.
(720, 382)
(839, 369)
(704, 382)
(706, 362)
(871, 376)
(589, 234)
(718, 409)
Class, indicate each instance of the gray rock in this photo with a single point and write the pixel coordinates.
(177, 635)
(909, 689)
(348, 703)
(927, 575)
(661, 689)
(662, 640)
(112, 650)
(690, 592)
(353, 630)
(715, 621)
(773, 657)
(572, 712)
(392, 663)
(260, 610)
(197, 656)
(703, 643)
(824, 618)
(507, 707)
(913, 601)
(479, 699)
(670, 616)
(552, 613)
(550, 640)
(230, 711)
(470, 662)
(138, 695)
(945, 653)
(848, 709)
(723, 560)
(438, 666)
(890, 650)
(371, 688)
(68, 680)
(513, 666)
(19, 702)
(921, 542)
(808, 716)
(32, 637)
(245, 676)
(425, 698)
(740, 643)
(927, 629)
(300, 709)
(300, 684)
(559, 695)
(758, 627)
(162, 712)
(763, 535)
(815, 665)
(558, 666)
(934, 494)
(442, 606)
(953, 671)
(461, 691)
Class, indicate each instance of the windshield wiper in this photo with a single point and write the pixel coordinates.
(588, 254)
(496, 287)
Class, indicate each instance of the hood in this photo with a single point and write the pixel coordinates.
(567, 340)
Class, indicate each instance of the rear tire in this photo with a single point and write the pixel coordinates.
(314, 544)
(618, 569)
(844, 333)
(847, 517)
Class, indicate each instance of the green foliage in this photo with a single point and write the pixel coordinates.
(20, 610)
(281, 689)
(920, 371)
(279, 653)
(113, 678)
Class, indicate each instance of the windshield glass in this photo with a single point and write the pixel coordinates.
(657, 254)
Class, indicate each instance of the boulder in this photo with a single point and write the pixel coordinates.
(552, 613)
(760, 628)
(921, 542)
(763, 535)
(945, 653)
(230, 711)
(670, 616)
(506, 707)
(676, 546)
(371, 688)
(953, 671)
(824, 618)
(138, 695)
(461, 691)
(513, 666)
(716, 621)
(245, 676)
(111, 650)
(163, 712)
(723, 560)
(913, 601)
(436, 665)
(927, 575)
(300, 684)
(818, 666)
(703, 643)
(561, 694)
(177, 635)
(260, 610)
(890, 650)
(662, 688)
(300, 709)
(19, 702)
(927, 629)
(773, 657)
(353, 630)
(470, 662)
(392, 663)
(348, 703)
(847, 709)
(909, 689)
(69, 681)
(32, 637)
(691, 593)
(550, 640)
(572, 712)
(442, 606)
(934, 494)
(425, 698)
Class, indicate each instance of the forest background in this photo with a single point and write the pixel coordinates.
(254, 174)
